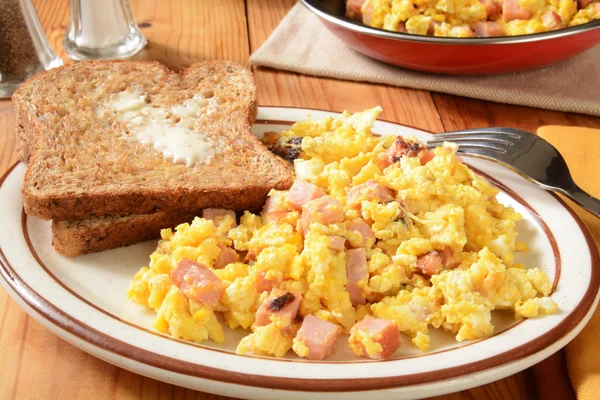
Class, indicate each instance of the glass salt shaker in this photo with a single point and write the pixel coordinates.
(101, 29)
(24, 48)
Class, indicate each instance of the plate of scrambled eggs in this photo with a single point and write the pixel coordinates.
(385, 267)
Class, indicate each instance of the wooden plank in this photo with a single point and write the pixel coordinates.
(406, 106)
(462, 113)
(8, 150)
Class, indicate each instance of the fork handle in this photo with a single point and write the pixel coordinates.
(585, 200)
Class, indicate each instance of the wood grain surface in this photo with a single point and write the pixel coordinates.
(38, 365)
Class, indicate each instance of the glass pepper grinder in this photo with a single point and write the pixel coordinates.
(24, 48)
(101, 29)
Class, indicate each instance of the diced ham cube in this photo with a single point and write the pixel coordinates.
(280, 303)
(370, 190)
(320, 337)
(325, 210)
(384, 160)
(488, 28)
(198, 282)
(436, 260)
(302, 192)
(214, 214)
(493, 10)
(338, 243)
(584, 3)
(276, 216)
(353, 9)
(356, 296)
(276, 207)
(226, 257)
(512, 10)
(448, 259)
(359, 225)
(381, 332)
(263, 284)
(427, 156)
(430, 263)
(552, 21)
(357, 270)
(250, 256)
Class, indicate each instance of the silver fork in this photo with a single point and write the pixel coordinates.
(527, 154)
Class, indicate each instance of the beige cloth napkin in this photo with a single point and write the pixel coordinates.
(302, 44)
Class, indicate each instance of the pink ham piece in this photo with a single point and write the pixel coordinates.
(276, 216)
(338, 243)
(197, 282)
(359, 225)
(357, 270)
(275, 207)
(552, 21)
(353, 9)
(302, 192)
(320, 337)
(263, 284)
(226, 257)
(325, 210)
(214, 213)
(488, 28)
(492, 8)
(280, 303)
(427, 156)
(436, 260)
(380, 331)
(512, 10)
(370, 190)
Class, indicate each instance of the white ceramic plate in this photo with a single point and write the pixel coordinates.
(83, 301)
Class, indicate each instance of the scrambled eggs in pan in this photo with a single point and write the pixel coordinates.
(473, 18)
(377, 236)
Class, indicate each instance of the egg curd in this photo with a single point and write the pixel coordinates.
(438, 252)
(473, 18)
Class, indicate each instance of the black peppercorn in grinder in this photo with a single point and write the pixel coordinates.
(24, 48)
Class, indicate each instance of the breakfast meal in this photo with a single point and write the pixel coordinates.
(118, 150)
(376, 239)
(473, 18)
(343, 232)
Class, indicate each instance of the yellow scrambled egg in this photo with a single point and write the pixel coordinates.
(440, 204)
(460, 18)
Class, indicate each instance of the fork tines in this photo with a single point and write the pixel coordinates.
(496, 139)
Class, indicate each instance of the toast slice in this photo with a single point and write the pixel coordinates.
(88, 156)
(77, 237)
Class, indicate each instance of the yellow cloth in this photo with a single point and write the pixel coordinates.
(580, 146)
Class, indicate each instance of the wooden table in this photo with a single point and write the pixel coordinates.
(36, 364)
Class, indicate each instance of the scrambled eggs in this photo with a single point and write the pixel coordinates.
(472, 18)
(377, 236)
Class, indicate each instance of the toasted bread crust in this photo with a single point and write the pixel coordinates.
(56, 187)
(73, 238)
